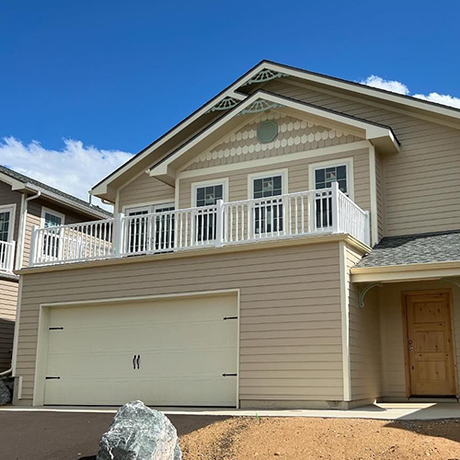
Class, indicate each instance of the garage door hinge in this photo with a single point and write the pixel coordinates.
(52, 378)
(55, 328)
(230, 317)
(229, 375)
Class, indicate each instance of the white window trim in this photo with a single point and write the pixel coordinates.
(260, 175)
(205, 183)
(348, 162)
(52, 212)
(12, 209)
(149, 204)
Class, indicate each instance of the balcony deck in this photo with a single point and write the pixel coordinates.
(313, 212)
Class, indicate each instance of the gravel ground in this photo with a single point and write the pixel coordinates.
(75, 436)
(305, 438)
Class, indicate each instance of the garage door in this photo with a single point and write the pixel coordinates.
(175, 352)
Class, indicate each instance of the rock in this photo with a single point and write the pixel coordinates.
(5, 395)
(139, 433)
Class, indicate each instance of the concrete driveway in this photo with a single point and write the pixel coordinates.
(45, 435)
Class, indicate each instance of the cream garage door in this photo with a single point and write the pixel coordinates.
(172, 352)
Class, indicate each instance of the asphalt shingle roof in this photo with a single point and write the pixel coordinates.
(414, 249)
(59, 193)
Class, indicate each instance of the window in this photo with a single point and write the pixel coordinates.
(205, 221)
(324, 176)
(268, 214)
(157, 235)
(6, 223)
(51, 246)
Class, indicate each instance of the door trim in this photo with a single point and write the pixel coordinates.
(404, 296)
(41, 354)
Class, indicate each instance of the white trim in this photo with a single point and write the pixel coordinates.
(43, 333)
(345, 317)
(130, 207)
(284, 173)
(336, 149)
(373, 198)
(347, 162)
(177, 194)
(195, 185)
(11, 208)
(21, 232)
(16, 327)
(46, 210)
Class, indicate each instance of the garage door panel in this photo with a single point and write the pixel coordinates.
(185, 346)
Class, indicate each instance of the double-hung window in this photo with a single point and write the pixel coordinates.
(150, 233)
(52, 220)
(324, 176)
(205, 220)
(6, 223)
(268, 209)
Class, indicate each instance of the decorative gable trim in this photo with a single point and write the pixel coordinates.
(263, 76)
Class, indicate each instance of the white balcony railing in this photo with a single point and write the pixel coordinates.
(7, 256)
(238, 222)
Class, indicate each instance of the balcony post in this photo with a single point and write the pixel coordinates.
(33, 246)
(11, 257)
(220, 223)
(335, 207)
(118, 235)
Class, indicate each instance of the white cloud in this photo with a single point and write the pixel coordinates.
(441, 99)
(389, 85)
(400, 88)
(74, 169)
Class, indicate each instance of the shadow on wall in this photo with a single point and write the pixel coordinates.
(6, 343)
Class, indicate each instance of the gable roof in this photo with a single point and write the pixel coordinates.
(378, 134)
(20, 181)
(202, 117)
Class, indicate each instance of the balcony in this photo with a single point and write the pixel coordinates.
(7, 256)
(293, 215)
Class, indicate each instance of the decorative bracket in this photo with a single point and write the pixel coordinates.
(363, 292)
(260, 105)
(263, 76)
(225, 104)
(447, 280)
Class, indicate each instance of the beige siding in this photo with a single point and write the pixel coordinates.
(145, 189)
(380, 193)
(294, 135)
(290, 343)
(298, 178)
(392, 331)
(365, 351)
(422, 190)
(8, 300)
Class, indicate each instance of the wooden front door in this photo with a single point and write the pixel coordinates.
(429, 344)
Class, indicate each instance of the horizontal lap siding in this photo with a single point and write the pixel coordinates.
(298, 178)
(390, 297)
(290, 338)
(421, 182)
(145, 189)
(365, 351)
(380, 192)
(8, 301)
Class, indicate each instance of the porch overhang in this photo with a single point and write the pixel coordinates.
(380, 136)
(408, 272)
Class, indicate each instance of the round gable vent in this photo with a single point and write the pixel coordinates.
(267, 131)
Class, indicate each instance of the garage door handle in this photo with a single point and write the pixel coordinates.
(134, 362)
(138, 359)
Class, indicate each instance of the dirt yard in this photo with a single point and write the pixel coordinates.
(305, 438)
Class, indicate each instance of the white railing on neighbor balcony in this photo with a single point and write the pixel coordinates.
(238, 222)
(7, 256)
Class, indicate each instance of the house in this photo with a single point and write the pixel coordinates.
(25, 202)
(294, 243)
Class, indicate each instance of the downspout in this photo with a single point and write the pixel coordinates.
(24, 223)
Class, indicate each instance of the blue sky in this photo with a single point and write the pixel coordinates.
(116, 74)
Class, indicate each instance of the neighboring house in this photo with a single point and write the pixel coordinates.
(25, 202)
(244, 261)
